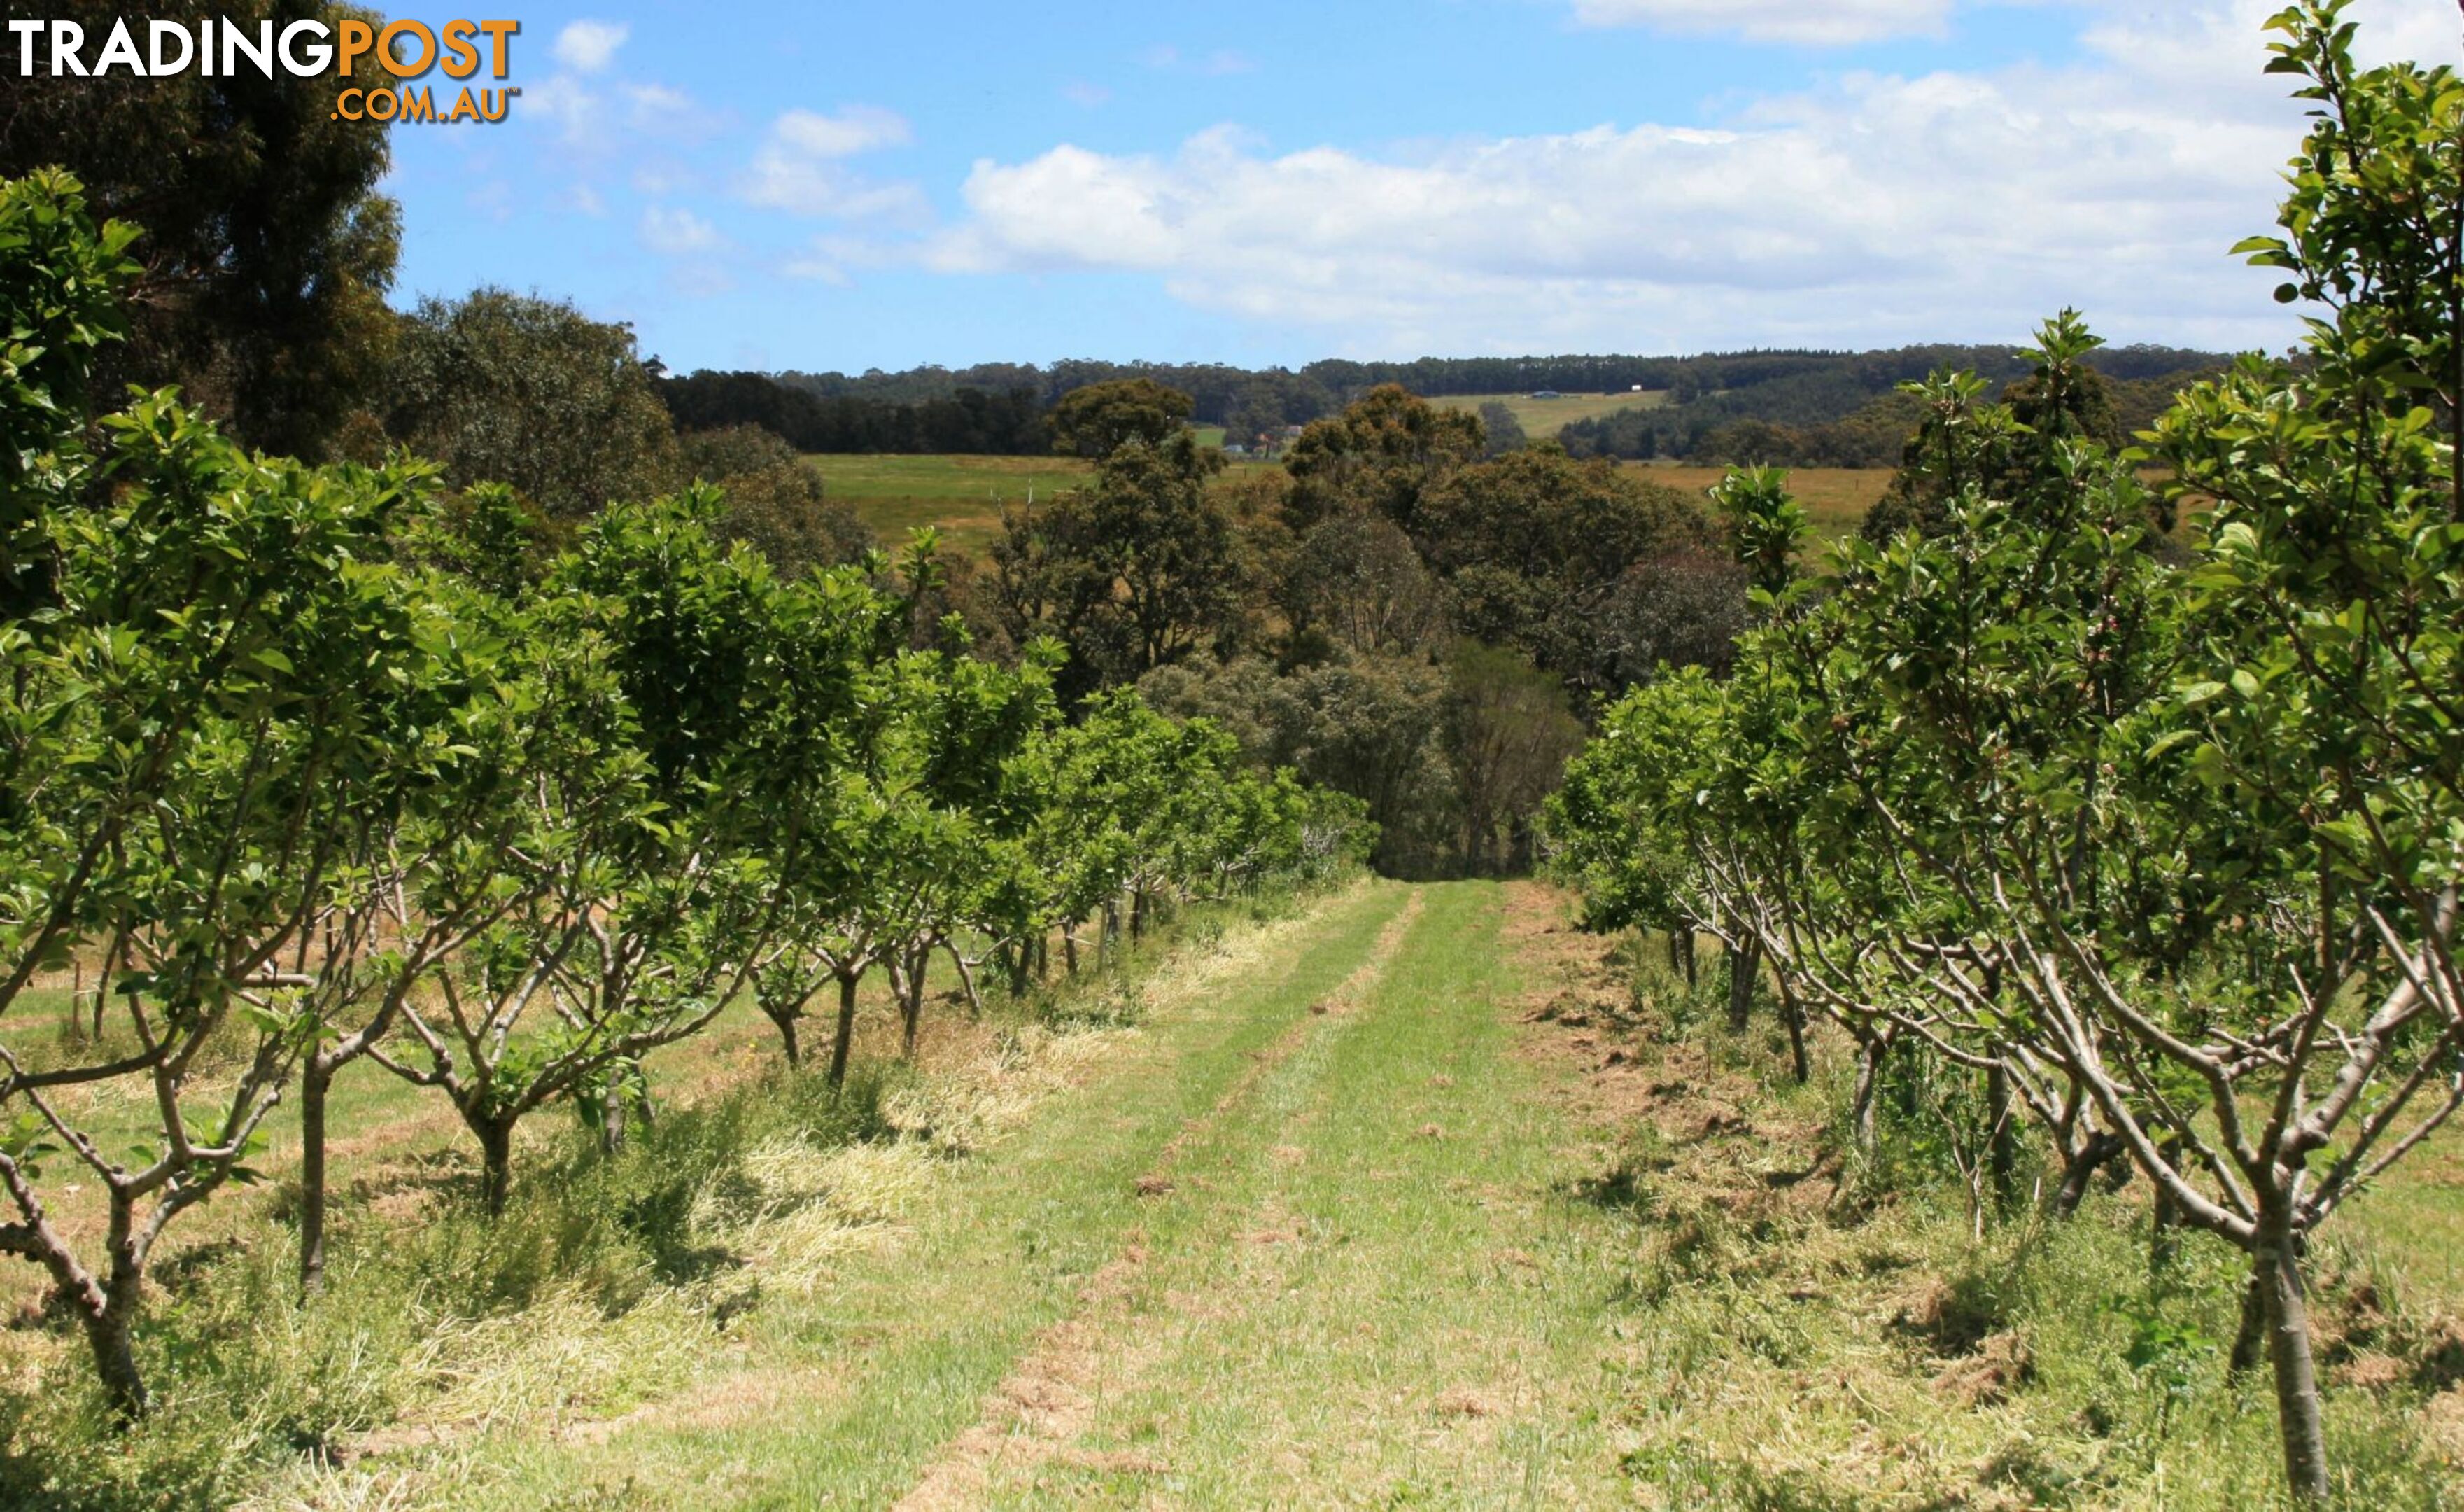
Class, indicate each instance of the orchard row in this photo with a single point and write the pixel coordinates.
(2158, 849)
(308, 764)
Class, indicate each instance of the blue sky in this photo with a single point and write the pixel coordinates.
(835, 186)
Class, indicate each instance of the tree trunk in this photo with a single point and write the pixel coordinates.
(911, 1006)
(2002, 1143)
(966, 980)
(2081, 1166)
(1138, 916)
(1520, 844)
(787, 1041)
(1693, 966)
(2250, 1342)
(1792, 1013)
(109, 1333)
(495, 1164)
(1069, 947)
(316, 1079)
(845, 1043)
(1869, 1078)
(611, 1112)
(2275, 1264)
(1744, 963)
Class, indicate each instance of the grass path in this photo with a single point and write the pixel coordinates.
(1356, 1298)
(1293, 1245)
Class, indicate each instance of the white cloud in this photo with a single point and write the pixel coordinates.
(657, 102)
(800, 168)
(1165, 57)
(586, 46)
(679, 232)
(829, 259)
(855, 129)
(1876, 209)
(1826, 23)
(1079, 92)
(576, 111)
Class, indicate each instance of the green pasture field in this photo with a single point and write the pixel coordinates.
(962, 496)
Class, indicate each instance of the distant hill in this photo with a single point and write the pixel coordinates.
(993, 409)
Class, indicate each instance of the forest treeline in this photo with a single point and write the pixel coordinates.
(1800, 407)
(1857, 413)
(968, 420)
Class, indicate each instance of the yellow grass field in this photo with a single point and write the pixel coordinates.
(1542, 419)
(1837, 498)
(963, 495)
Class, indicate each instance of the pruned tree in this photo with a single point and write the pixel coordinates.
(2172, 858)
(671, 739)
(184, 725)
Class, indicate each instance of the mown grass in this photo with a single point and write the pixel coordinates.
(1410, 1197)
(445, 1339)
(1367, 1290)
(896, 1354)
(1810, 1331)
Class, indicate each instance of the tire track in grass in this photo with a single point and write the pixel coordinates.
(1244, 1261)
(1050, 1396)
(1398, 1307)
(870, 1376)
